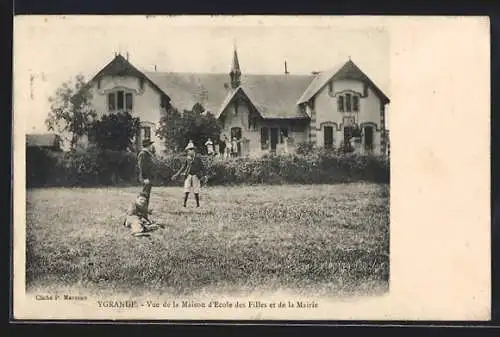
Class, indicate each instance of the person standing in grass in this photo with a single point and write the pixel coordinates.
(194, 172)
(146, 161)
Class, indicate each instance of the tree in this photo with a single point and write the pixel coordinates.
(169, 129)
(177, 129)
(71, 111)
(114, 131)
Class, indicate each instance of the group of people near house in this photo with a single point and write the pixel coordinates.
(225, 148)
(192, 171)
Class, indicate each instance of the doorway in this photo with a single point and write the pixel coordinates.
(328, 137)
(348, 131)
(236, 133)
(368, 138)
(274, 138)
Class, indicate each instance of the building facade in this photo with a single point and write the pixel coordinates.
(264, 113)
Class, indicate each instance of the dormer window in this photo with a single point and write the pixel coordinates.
(120, 101)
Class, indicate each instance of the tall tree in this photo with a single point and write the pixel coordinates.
(71, 112)
(115, 131)
(170, 129)
(177, 129)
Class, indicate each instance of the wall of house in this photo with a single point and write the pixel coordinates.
(297, 134)
(146, 101)
(239, 119)
(342, 85)
(327, 114)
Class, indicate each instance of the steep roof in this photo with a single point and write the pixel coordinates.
(346, 71)
(43, 140)
(119, 66)
(274, 96)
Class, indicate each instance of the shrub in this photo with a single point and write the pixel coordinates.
(305, 148)
(105, 167)
(39, 166)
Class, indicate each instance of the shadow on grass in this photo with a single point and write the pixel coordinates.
(190, 211)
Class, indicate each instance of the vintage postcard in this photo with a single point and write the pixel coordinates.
(251, 167)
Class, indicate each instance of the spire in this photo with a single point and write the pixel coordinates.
(235, 72)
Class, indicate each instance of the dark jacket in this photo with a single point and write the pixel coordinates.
(196, 167)
(145, 161)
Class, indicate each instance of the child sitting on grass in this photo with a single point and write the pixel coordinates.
(137, 217)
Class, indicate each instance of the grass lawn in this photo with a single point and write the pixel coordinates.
(314, 238)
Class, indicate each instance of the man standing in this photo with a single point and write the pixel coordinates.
(146, 161)
(193, 169)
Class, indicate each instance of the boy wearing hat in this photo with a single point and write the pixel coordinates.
(193, 169)
(145, 160)
(137, 217)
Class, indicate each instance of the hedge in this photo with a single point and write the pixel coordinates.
(113, 168)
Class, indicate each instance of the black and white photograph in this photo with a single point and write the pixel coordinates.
(174, 165)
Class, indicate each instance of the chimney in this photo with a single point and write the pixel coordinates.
(286, 69)
(155, 68)
(127, 56)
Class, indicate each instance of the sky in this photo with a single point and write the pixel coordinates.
(56, 48)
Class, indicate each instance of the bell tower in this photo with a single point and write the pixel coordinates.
(235, 72)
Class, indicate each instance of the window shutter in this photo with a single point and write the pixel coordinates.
(355, 103)
(129, 105)
(340, 103)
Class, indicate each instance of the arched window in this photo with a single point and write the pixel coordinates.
(328, 136)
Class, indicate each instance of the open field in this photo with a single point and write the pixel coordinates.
(304, 238)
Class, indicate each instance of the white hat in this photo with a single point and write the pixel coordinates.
(190, 146)
(209, 141)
